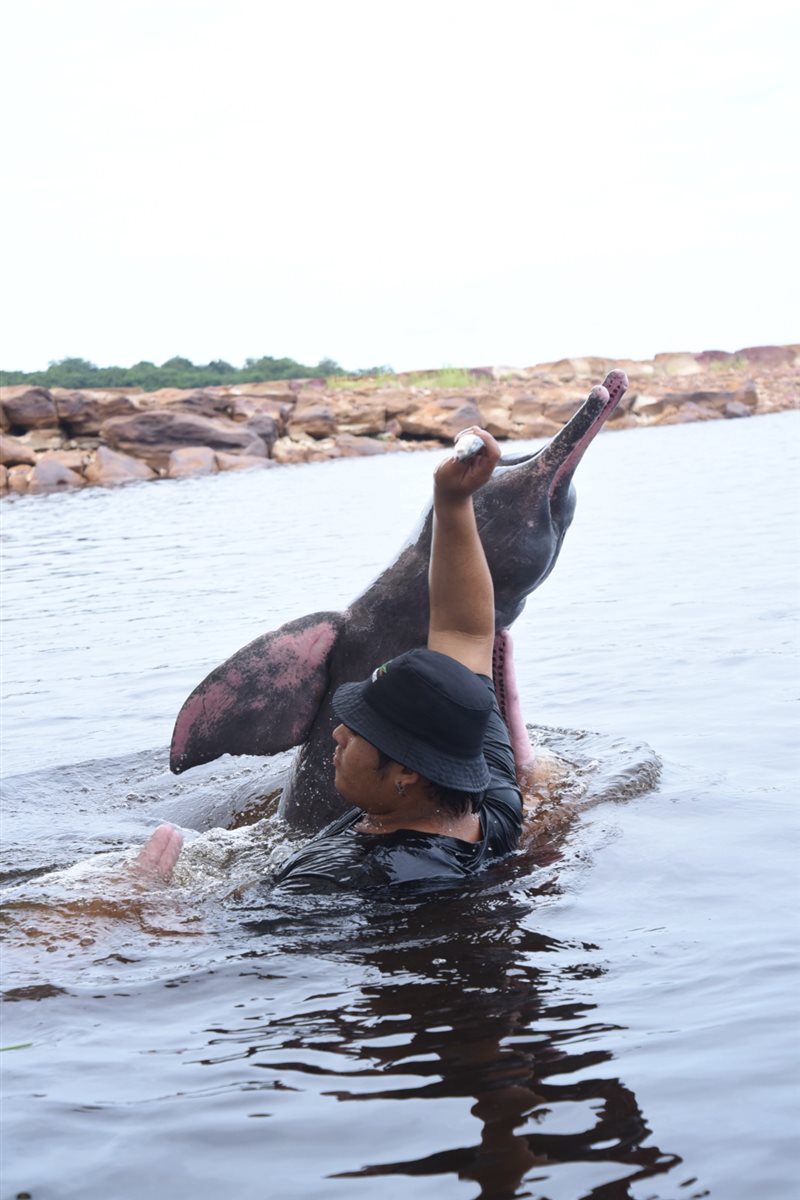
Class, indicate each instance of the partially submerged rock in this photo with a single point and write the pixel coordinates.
(192, 460)
(351, 446)
(109, 468)
(153, 436)
(241, 462)
(50, 475)
(17, 478)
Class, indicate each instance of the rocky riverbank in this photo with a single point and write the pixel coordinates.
(51, 440)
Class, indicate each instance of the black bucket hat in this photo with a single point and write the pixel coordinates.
(426, 711)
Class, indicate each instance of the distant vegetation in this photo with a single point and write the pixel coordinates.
(446, 377)
(181, 373)
(175, 372)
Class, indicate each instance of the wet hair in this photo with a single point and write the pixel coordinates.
(454, 802)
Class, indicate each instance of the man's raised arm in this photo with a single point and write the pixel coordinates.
(459, 582)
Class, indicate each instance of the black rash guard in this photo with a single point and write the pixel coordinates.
(339, 858)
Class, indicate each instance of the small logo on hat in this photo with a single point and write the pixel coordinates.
(381, 670)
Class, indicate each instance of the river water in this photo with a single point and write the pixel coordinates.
(613, 1019)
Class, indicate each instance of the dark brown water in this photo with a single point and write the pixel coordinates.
(615, 1021)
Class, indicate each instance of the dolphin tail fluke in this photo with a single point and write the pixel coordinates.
(263, 699)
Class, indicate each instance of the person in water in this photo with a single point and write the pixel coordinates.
(422, 753)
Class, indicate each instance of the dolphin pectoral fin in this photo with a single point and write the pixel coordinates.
(261, 700)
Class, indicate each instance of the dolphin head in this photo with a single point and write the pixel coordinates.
(527, 508)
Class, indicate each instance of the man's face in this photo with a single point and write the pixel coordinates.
(359, 777)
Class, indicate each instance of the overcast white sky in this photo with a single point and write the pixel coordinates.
(444, 182)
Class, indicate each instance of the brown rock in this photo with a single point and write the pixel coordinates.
(568, 369)
(49, 475)
(677, 364)
(293, 450)
(87, 444)
(747, 395)
(3, 479)
(625, 421)
(397, 401)
(496, 415)
(192, 460)
(528, 421)
(686, 414)
(312, 416)
(634, 368)
(241, 462)
(714, 357)
(526, 404)
(43, 439)
(624, 407)
(13, 452)
(646, 406)
(767, 356)
(74, 460)
(154, 435)
(735, 408)
(441, 418)
(272, 389)
(351, 446)
(18, 479)
(265, 426)
(562, 409)
(84, 412)
(323, 449)
(713, 399)
(108, 468)
(33, 408)
(11, 391)
(162, 398)
(202, 404)
(242, 408)
(359, 413)
(536, 427)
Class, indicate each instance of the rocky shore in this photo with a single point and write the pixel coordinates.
(51, 440)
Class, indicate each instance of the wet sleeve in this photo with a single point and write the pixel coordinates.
(332, 861)
(502, 802)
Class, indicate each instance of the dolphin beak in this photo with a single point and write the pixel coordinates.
(569, 445)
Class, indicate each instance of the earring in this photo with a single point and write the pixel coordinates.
(401, 791)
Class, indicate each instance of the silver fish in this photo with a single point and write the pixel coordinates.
(467, 446)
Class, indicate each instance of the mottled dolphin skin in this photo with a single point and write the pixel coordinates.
(276, 692)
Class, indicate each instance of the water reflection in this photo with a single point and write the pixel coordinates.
(458, 999)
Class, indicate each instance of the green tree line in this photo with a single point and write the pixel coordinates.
(175, 372)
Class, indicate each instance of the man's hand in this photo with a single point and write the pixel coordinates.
(458, 479)
(157, 858)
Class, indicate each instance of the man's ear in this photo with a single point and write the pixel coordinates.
(408, 777)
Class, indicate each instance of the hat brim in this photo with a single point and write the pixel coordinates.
(460, 774)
